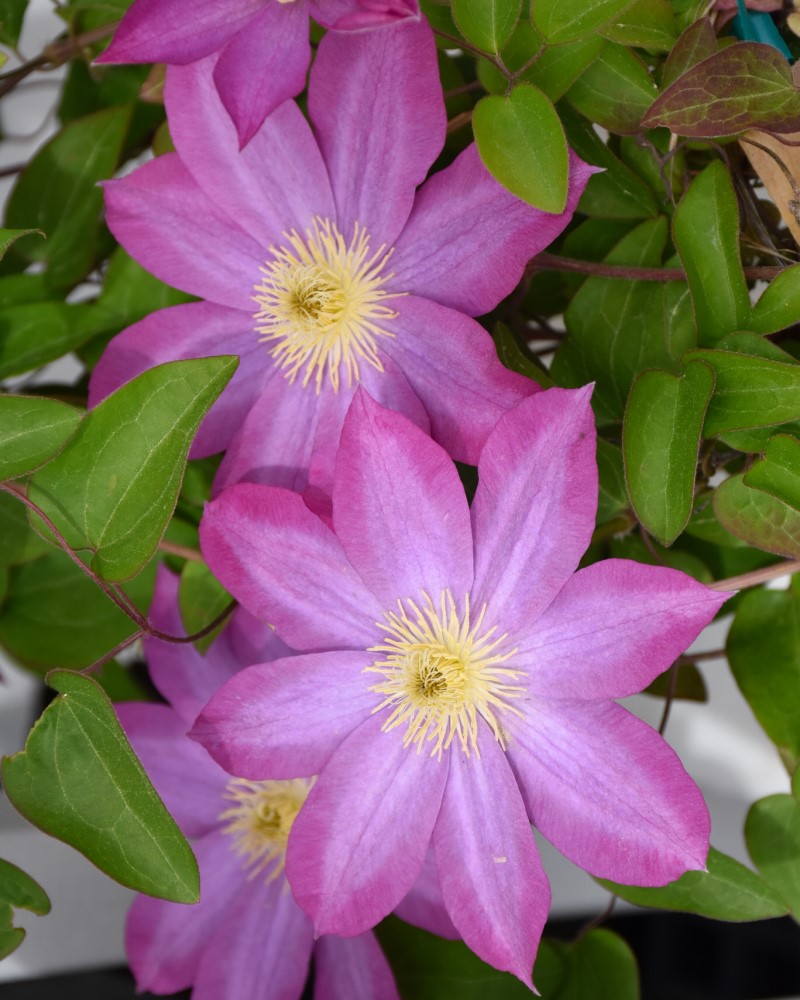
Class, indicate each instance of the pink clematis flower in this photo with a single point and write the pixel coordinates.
(263, 45)
(458, 677)
(246, 937)
(321, 264)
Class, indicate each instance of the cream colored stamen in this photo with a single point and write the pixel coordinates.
(261, 818)
(320, 304)
(441, 673)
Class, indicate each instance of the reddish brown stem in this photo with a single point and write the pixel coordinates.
(599, 269)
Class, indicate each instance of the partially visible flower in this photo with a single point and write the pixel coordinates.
(246, 937)
(323, 266)
(263, 45)
(462, 677)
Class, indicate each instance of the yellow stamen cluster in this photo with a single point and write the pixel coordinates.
(440, 673)
(320, 304)
(261, 818)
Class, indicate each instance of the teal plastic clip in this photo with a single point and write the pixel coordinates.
(758, 26)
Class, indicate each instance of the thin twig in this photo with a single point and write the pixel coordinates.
(110, 655)
(53, 55)
(600, 269)
(461, 43)
(600, 919)
(670, 697)
(165, 637)
(173, 549)
(757, 576)
(708, 654)
(459, 121)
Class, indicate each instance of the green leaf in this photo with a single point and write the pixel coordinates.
(55, 616)
(598, 966)
(559, 66)
(645, 24)
(633, 547)
(757, 518)
(34, 429)
(772, 832)
(79, 780)
(114, 487)
(34, 333)
(763, 649)
(688, 685)
(778, 473)
(745, 85)
(487, 24)
(706, 234)
(19, 543)
(779, 305)
(566, 20)
(513, 357)
(427, 967)
(12, 14)
(612, 497)
(615, 193)
(521, 141)
(697, 42)
(130, 293)
(750, 391)
(16, 289)
(615, 91)
(617, 328)
(660, 442)
(20, 890)
(10, 236)
(58, 193)
(727, 891)
(201, 599)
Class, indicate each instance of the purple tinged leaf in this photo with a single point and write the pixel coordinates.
(758, 518)
(747, 85)
(697, 43)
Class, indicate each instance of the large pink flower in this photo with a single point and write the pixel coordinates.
(263, 44)
(460, 677)
(321, 264)
(246, 937)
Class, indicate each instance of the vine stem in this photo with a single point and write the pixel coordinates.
(599, 269)
(757, 576)
(53, 55)
(114, 592)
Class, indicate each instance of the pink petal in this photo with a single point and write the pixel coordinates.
(390, 388)
(165, 942)
(424, 907)
(276, 38)
(352, 969)
(492, 880)
(357, 15)
(263, 949)
(453, 367)
(180, 32)
(359, 841)
(608, 791)
(288, 568)
(164, 220)
(534, 509)
(468, 239)
(286, 719)
(614, 627)
(273, 444)
(184, 775)
(376, 103)
(277, 182)
(399, 508)
(194, 330)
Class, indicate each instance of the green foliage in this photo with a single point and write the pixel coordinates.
(17, 890)
(522, 143)
(772, 831)
(706, 234)
(12, 14)
(34, 429)
(660, 441)
(113, 489)
(747, 85)
(487, 24)
(201, 599)
(598, 966)
(778, 473)
(58, 193)
(646, 24)
(8, 237)
(566, 20)
(612, 497)
(34, 333)
(758, 518)
(697, 42)
(726, 891)
(79, 780)
(615, 90)
(763, 649)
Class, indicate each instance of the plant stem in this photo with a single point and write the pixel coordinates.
(173, 549)
(599, 269)
(53, 55)
(757, 576)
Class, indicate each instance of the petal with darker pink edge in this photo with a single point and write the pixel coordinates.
(608, 791)
(359, 841)
(352, 969)
(399, 508)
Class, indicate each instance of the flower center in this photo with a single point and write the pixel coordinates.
(320, 304)
(260, 820)
(441, 672)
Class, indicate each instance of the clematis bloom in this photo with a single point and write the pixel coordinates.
(457, 677)
(263, 45)
(323, 266)
(246, 937)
